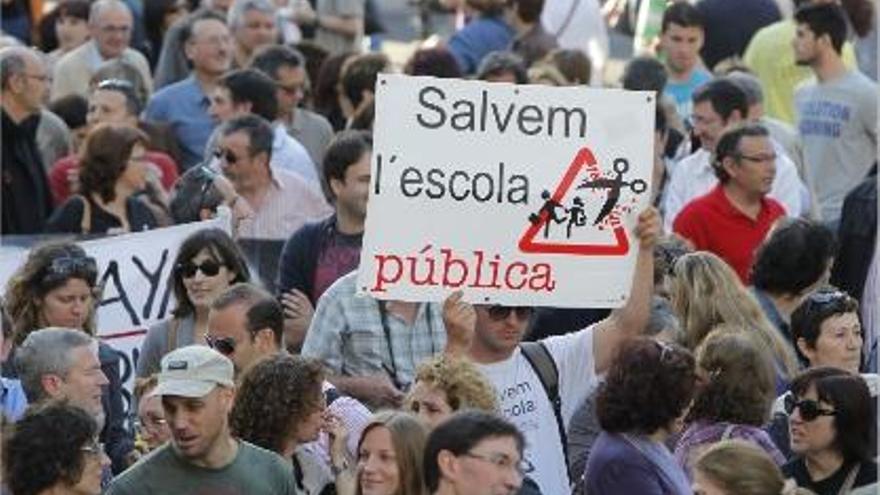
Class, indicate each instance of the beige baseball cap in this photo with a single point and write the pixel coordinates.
(193, 371)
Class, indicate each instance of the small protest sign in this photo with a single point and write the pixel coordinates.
(515, 194)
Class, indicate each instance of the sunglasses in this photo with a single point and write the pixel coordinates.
(809, 409)
(94, 448)
(65, 267)
(230, 157)
(209, 268)
(827, 297)
(499, 313)
(223, 345)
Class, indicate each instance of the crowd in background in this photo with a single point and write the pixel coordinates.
(744, 360)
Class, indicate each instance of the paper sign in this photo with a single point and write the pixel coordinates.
(515, 194)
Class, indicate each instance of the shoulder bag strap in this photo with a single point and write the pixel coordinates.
(85, 223)
(172, 335)
(545, 367)
(850, 480)
(568, 18)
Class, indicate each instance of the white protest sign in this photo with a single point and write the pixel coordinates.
(134, 270)
(515, 194)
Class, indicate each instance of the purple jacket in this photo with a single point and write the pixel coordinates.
(701, 433)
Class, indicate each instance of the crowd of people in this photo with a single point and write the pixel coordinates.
(743, 362)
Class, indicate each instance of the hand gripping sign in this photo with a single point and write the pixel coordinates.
(516, 194)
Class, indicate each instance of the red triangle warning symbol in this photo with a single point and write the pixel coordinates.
(583, 160)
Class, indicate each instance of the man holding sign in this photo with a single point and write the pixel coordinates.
(492, 340)
(525, 196)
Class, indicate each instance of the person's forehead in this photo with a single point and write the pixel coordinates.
(231, 319)
(498, 445)
(84, 356)
(254, 15)
(238, 139)
(209, 27)
(755, 143)
(680, 30)
(705, 108)
(288, 71)
(116, 15)
(108, 97)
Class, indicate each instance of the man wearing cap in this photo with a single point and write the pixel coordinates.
(197, 390)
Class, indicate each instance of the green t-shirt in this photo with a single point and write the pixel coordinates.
(255, 471)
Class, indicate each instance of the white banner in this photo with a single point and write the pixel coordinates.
(134, 270)
(515, 194)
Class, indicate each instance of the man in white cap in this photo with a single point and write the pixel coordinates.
(197, 390)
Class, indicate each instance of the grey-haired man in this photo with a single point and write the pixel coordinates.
(197, 390)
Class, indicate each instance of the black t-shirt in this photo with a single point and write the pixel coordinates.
(68, 217)
(831, 485)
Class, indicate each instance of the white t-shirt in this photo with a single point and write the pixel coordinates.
(525, 404)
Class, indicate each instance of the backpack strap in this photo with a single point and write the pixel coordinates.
(85, 223)
(542, 362)
(568, 18)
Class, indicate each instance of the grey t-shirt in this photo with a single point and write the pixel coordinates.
(837, 122)
(335, 42)
(255, 471)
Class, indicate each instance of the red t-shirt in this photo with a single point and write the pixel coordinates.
(61, 186)
(712, 223)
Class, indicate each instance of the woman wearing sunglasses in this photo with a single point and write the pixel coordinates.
(53, 449)
(113, 170)
(57, 287)
(207, 263)
(830, 423)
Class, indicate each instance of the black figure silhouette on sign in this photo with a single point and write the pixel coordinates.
(621, 166)
(576, 216)
(550, 206)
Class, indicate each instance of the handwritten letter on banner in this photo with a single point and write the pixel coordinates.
(518, 195)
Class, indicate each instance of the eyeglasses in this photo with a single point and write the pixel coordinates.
(499, 313)
(110, 29)
(501, 461)
(230, 157)
(809, 409)
(150, 423)
(209, 268)
(64, 267)
(94, 448)
(223, 345)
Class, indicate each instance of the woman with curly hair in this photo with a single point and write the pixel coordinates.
(733, 397)
(57, 286)
(390, 455)
(53, 449)
(705, 292)
(642, 402)
(280, 406)
(735, 467)
(445, 384)
(113, 169)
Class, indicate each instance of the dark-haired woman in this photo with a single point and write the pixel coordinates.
(113, 170)
(829, 421)
(641, 403)
(207, 263)
(53, 449)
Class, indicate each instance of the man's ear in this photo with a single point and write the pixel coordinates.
(52, 385)
(265, 339)
(448, 464)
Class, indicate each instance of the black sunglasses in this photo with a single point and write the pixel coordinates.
(809, 409)
(209, 268)
(499, 313)
(65, 267)
(223, 345)
(230, 157)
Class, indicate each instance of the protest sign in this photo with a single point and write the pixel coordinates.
(134, 270)
(515, 194)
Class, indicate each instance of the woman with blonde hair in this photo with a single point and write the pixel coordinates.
(733, 398)
(705, 292)
(444, 385)
(735, 467)
(390, 455)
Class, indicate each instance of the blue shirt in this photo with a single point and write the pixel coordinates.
(183, 106)
(12, 399)
(481, 36)
(681, 92)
